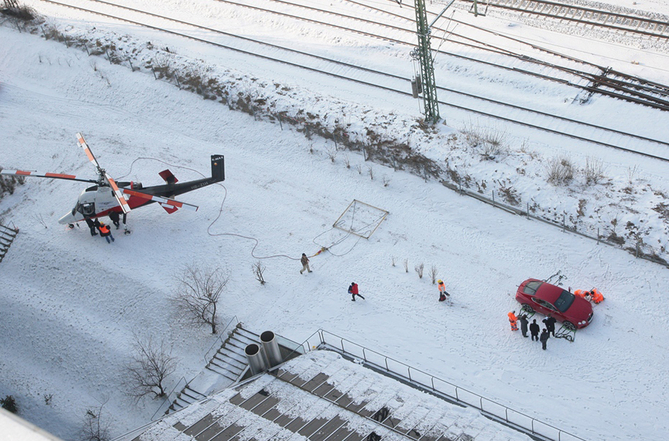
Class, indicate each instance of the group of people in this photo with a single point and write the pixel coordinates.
(96, 226)
(549, 329)
(352, 289)
(594, 295)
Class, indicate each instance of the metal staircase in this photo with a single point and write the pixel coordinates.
(7, 236)
(230, 360)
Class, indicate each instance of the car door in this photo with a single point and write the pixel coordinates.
(546, 308)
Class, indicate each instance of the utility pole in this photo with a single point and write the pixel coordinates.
(426, 84)
(429, 86)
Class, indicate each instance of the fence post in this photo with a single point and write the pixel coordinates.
(564, 221)
(493, 198)
(597, 235)
(528, 210)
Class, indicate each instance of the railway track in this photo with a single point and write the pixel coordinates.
(394, 83)
(616, 21)
(593, 79)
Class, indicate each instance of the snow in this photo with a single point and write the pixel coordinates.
(72, 305)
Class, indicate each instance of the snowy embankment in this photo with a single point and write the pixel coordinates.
(72, 303)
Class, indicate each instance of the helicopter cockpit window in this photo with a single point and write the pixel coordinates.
(87, 208)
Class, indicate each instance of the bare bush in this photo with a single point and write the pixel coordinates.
(392, 260)
(593, 171)
(560, 171)
(198, 294)
(8, 183)
(433, 274)
(258, 271)
(332, 153)
(151, 364)
(359, 168)
(95, 426)
(489, 141)
(632, 173)
(419, 269)
(406, 265)
(370, 170)
(18, 12)
(347, 161)
(386, 180)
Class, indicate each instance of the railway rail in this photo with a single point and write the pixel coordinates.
(595, 79)
(617, 21)
(398, 84)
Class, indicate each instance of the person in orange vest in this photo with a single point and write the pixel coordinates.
(105, 232)
(596, 295)
(442, 290)
(513, 320)
(582, 293)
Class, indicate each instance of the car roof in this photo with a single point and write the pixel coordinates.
(549, 292)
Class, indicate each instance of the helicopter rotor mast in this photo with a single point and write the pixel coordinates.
(104, 177)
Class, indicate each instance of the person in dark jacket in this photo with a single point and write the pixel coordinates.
(523, 324)
(304, 260)
(115, 217)
(353, 290)
(544, 338)
(550, 325)
(93, 224)
(534, 330)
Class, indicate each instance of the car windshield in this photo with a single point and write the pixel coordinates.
(564, 301)
(531, 287)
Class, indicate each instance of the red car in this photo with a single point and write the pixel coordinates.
(574, 312)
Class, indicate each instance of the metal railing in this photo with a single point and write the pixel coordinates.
(429, 383)
(220, 339)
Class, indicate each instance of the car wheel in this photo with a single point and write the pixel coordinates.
(569, 325)
(527, 308)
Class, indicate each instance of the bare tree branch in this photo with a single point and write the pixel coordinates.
(197, 295)
(150, 366)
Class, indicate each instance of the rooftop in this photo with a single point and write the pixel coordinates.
(321, 396)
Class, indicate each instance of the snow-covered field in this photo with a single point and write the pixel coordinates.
(71, 304)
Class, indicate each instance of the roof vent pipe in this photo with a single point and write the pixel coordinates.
(271, 347)
(256, 358)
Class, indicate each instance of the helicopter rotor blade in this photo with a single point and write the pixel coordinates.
(89, 153)
(118, 194)
(36, 174)
(104, 177)
(165, 202)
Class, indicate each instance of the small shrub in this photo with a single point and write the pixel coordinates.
(406, 265)
(433, 274)
(419, 270)
(9, 403)
(258, 271)
(593, 171)
(560, 171)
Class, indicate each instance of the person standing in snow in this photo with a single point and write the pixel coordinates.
(305, 263)
(105, 232)
(353, 290)
(442, 290)
(523, 324)
(544, 338)
(550, 325)
(513, 320)
(115, 218)
(534, 330)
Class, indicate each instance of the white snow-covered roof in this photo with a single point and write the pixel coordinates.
(321, 396)
(13, 427)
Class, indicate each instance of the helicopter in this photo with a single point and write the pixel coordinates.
(110, 197)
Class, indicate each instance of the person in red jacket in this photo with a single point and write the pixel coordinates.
(353, 290)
